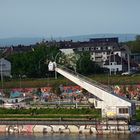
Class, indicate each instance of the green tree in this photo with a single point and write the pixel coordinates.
(138, 38)
(86, 66)
(134, 45)
(33, 63)
(69, 60)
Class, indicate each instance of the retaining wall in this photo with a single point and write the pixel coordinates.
(99, 128)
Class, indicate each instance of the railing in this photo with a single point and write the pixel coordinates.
(88, 80)
(105, 88)
(59, 121)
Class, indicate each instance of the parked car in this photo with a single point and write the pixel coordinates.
(127, 73)
(131, 72)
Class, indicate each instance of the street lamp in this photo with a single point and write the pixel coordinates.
(20, 80)
(55, 64)
(110, 54)
(128, 57)
(79, 64)
(39, 65)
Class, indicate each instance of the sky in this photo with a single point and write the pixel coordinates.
(61, 18)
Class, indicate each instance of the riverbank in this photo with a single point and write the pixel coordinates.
(80, 127)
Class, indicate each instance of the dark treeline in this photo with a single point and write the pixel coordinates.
(34, 64)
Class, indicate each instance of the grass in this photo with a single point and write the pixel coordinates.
(50, 113)
(116, 79)
(40, 111)
(104, 79)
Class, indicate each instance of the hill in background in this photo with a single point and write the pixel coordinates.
(28, 41)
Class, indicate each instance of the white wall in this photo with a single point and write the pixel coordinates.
(67, 51)
(115, 67)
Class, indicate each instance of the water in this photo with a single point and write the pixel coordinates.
(69, 137)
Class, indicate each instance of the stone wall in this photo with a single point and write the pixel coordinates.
(99, 128)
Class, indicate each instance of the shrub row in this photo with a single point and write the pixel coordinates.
(50, 111)
(49, 116)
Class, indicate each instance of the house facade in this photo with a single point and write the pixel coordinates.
(106, 52)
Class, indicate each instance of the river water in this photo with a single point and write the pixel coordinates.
(69, 137)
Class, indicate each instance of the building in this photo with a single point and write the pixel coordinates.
(106, 52)
(5, 52)
(99, 48)
(136, 58)
(5, 67)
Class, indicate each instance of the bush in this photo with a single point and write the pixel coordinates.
(82, 111)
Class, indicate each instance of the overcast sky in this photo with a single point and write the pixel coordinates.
(59, 18)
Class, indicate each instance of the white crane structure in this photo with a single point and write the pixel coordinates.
(111, 104)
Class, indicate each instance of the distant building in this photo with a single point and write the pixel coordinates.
(106, 52)
(22, 48)
(100, 49)
(135, 57)
(16, 49)
(104, 40)
(67, 51)
(5, 67)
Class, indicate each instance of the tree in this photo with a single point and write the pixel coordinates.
(137, 37)
(86, 66)
(33, 63)
(69, 60)
(134, 45)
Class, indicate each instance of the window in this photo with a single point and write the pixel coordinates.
(112, 69)
(123, 110)
(109, 48)
(115, 63)
(92, 48)
(80, 49)
(86, 48)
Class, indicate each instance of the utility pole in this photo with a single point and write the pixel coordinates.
(110, 66)
(128, 57)
(1, 74)
(20, 81)
(55, 63)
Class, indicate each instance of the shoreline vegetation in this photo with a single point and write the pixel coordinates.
(49, 113)
(54, 114)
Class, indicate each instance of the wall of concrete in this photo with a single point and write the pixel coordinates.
(104, 127)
